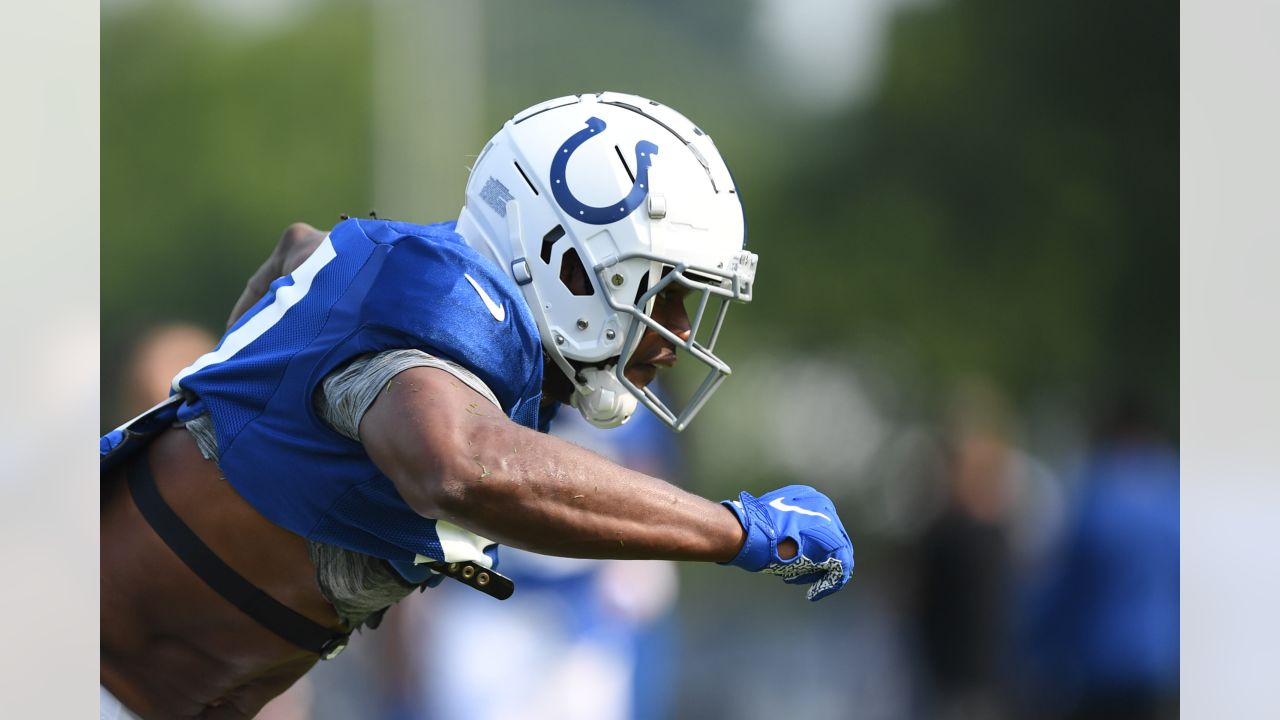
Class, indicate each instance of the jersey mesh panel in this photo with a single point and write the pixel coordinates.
(259, 377)
(401, 533)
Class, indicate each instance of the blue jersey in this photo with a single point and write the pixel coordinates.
(372, 285)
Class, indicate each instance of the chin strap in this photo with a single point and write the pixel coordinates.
(601, 399)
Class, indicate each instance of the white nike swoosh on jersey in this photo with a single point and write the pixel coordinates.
(777, 503)
(499, 313)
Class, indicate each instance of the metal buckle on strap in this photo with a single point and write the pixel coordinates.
(486, 580)
(336, 645)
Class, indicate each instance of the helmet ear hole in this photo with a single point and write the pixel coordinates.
(574, 274)
(550, 239)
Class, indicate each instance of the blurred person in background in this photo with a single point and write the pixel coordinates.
(966, 565)
(1102, 633)
(156, 357)
(368, 423)
(582, 640)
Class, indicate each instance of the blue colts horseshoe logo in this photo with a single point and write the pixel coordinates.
(645, 151)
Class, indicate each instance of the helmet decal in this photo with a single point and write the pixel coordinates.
(496, 195)
(645, 151)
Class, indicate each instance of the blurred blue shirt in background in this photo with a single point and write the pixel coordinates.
(1104, 627)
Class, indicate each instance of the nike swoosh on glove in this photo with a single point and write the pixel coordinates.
(824, 559)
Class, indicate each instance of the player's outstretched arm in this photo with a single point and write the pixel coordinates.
(453, 456)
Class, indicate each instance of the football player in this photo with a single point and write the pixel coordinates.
(370, 422)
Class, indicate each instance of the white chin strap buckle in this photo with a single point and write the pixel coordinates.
(602, 400)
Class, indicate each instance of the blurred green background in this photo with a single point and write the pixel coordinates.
(965, 212)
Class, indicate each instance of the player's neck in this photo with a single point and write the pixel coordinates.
(556, 388)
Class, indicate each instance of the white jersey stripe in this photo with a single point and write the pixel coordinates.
(459, 545)
(286, 297)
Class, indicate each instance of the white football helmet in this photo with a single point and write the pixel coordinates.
(639, 196)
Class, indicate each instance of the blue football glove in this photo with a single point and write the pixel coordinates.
(824, 560)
